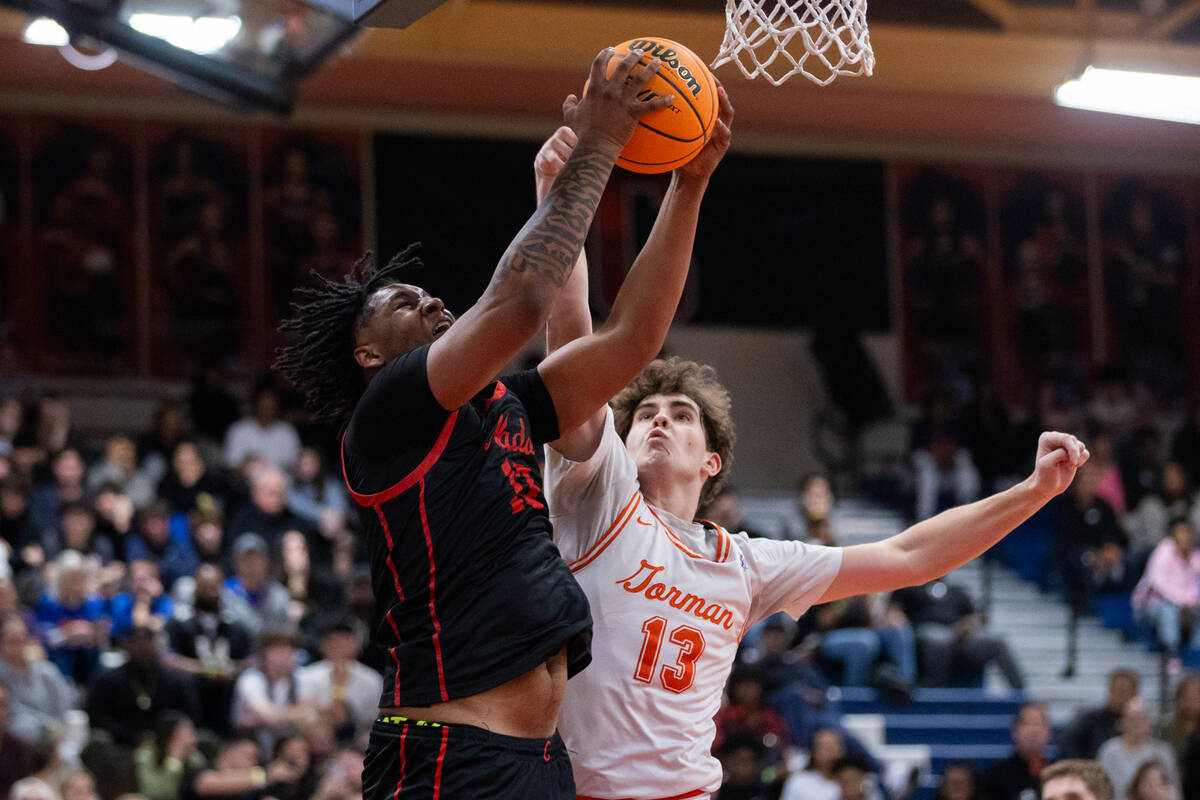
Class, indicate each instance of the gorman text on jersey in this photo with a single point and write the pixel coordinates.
(642, 582)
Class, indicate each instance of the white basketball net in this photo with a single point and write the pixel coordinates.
(778, 38)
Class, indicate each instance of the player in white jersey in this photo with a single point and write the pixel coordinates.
(670, 596)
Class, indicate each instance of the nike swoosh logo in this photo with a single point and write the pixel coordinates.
(643, 522)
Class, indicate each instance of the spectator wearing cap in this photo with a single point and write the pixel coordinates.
(266, 699)
(209, 642)
(154, 541)
(38, 693)
(126, 701)
(71, 620)
(263, 600)
(345, 692)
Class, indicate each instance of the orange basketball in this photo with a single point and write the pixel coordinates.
(672, 137)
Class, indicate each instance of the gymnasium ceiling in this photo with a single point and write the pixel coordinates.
(949, 73)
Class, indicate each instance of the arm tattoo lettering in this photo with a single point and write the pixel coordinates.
(547, 247)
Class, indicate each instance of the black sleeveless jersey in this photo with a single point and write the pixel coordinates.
(470, 591)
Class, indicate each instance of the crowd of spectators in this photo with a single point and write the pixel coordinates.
(1129, 523)
(183, 614)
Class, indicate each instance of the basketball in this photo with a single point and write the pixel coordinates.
(672, 137)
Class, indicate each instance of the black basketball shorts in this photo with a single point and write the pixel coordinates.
(410, 759)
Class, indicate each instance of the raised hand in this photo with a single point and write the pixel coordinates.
(551, 158)
(1059, 455)
(706, 160)
(610, 109)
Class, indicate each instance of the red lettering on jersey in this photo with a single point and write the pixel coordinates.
(642, 582)
(525, 489)
(517, 442)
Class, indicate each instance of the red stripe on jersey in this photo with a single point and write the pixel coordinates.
(396, 689)
(409, 480)
(392, 622)
(609, 536)
(684, 796)
(387, 534)
(496, 395)
(403, 735)
(437, 628)
(437, 777)
(675, 540)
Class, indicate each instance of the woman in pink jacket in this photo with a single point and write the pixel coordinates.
(1168, 595)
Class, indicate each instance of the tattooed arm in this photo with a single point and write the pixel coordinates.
(538, 262)
(584, 369)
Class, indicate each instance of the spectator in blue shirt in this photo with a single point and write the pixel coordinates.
(154, 542)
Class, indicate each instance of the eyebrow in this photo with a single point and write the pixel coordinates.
(690, 406)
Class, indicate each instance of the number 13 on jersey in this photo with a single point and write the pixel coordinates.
(675, 677)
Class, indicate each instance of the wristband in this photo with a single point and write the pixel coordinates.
(258, 776)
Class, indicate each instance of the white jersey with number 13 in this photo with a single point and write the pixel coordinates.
(670, 601)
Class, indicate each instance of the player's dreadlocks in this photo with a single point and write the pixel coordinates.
(323, 328)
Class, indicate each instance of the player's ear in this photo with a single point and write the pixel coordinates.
(367, 356)
(712, 464)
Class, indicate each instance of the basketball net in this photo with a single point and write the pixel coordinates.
(778, 38)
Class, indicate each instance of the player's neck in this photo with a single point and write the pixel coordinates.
(681, 500)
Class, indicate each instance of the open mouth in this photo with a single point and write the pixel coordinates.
(441, 327)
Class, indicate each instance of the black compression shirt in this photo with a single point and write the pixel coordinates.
(470, 591)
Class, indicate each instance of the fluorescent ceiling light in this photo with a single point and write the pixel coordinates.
(1139, 94)
(43, 30)
(200, 35)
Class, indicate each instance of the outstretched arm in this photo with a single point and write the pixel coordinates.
(570, 318)
(939, 544)
(536, 265)
(582, 374)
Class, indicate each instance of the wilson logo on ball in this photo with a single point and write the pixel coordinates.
(670, 58)
(670, 138)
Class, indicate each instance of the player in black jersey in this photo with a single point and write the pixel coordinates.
(481, 621)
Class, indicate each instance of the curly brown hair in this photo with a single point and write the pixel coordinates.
(697, 381)
(1091, 773)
